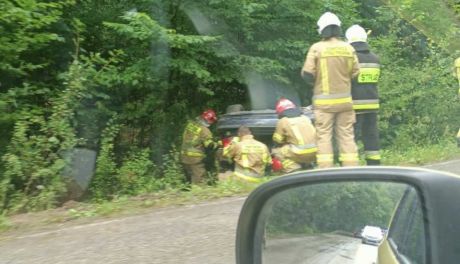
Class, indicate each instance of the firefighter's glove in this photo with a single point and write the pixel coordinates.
(212, 146)
(215, 145)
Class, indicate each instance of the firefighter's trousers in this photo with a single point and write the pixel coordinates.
(194, 172)
(241, 175)
(366, 130)
(342, 124)
(293, 161)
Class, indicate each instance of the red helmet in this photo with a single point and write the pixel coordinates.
(284, 104)
(209, 115)
(276, 165)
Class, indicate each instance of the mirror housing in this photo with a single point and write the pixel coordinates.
(439, 194)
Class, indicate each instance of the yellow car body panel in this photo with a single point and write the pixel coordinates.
(386, 255)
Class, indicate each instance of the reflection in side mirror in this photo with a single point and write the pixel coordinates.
(339, 222)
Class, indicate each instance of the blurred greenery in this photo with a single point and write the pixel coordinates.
(325, 208)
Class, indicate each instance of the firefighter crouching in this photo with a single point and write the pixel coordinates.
(365, 94)
(295, 135)
(195, 140)
(251, 157)
(329, 67)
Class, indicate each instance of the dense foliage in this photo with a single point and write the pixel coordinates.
(120, 77)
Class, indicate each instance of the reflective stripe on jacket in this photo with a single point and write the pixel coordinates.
(195, 138)
(297, 132)
(250, 156)
(364, 86)
(333, 63)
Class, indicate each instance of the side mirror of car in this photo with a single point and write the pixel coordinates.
(352, 215)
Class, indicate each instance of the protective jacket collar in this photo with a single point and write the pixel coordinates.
(361, 46)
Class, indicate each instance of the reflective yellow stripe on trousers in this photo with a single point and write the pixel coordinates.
(304, 149)
(193, 154)
(247, 178)
(287, 163)
(349, 157)
(373, 155)
(324, 158)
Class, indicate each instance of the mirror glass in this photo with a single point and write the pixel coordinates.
(341, 222)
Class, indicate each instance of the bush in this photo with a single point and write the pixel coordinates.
(34, 160)
(105, 182)
(172, 172)
(137, 174)
(418, 92)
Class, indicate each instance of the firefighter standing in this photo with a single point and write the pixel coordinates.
(296, 135)
(365, 94)
(251, 157)
(195, 140)
(329, 67)
(457, 73)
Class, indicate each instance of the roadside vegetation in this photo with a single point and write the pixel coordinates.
(421, 154)
(181, 195)
(120, 78)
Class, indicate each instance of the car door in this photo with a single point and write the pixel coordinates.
(405, 242)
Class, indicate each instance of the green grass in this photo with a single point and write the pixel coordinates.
(5, 223)
(421, 155)
(129, 205)
(123, 206)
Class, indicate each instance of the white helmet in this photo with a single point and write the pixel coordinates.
(327, 19)
(356, 34)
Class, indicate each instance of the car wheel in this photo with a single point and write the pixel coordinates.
(234, 108)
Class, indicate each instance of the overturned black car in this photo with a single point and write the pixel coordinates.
(261, 122)
(259, 115)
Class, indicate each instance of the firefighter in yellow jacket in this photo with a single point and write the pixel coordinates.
(195, 139)
(296, 136)
(251, 157)
(329, 67)
(457, 73)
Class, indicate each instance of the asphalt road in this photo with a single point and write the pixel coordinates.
(319, 249)
(449, 166)
(203, 233)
